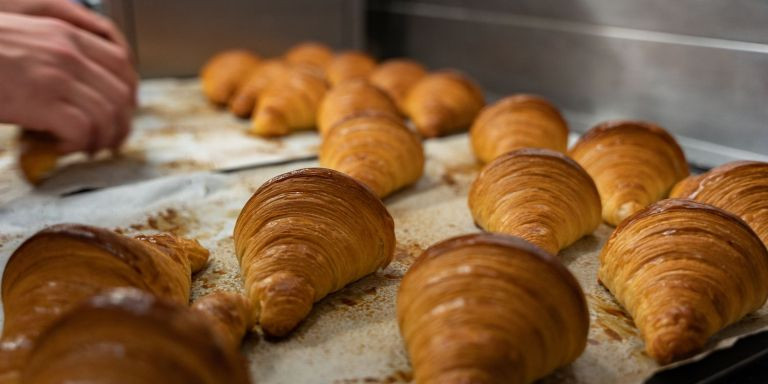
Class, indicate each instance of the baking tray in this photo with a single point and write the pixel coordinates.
(350, 336)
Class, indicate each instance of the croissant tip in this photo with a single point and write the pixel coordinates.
(269, 123)
(284, 303)
(667, 349)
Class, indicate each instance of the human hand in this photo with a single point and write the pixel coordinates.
(61, 79)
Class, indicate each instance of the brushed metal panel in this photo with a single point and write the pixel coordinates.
(174, 37)
(714, 95)
(742, 20)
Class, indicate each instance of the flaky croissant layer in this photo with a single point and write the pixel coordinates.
(127, 336)
(309, 53)
(490, 308)
(246, 97)
(518, 121)
(443, 102)
(633, 164)
(289, 103)
(350, 98)
(375, 149)
(684, 270)
(349, 65)
(305, 234)
(60, 266)
(223, 74)
(537, 194)
(740, 187)
(396, 77)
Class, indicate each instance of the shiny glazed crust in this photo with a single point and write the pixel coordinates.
(350, 98)
(60, 266)
(537, 194)
(247, 95)
(305, 234)
(396, 77)
(518, 121)
(376, 149)
(309, 53)
(633, 164)
(739, 187)
(129, 336)
(489, 308)
(223, 74)
(684, 270)
(349, 65)
(443, 102)
(289, 103)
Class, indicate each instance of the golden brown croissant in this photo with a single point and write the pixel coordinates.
(518, 121)
(225, 72)
(684, 270)
(62, 265)
(396, 77)
(489, 308)
(305, 234)
(125, 335)
(349, 98)
(740, 187)
(310, 53)
(229, 315)
(633, 163)
(537, 194)
(246, 97)
(349, 65)
(38, 156)
(289, 103)
(376, 149)
(443, 102)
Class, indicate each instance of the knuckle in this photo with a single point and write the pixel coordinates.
(65, 55)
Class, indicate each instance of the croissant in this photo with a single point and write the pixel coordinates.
(225, 72)
(349, 98)
(518, 121)
(633, 163)
(443, 102)
(244, 101)
(310, 53)
(228, 314)
(289, 103)
(38, 156)
(303, 235)
(376, 149)
(684, 270)
(60, 266)
(489, 308)
(127, 336)
(740, 187)
(537, 194)
(396, 77)
(349, 65)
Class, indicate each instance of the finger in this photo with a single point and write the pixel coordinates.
(100, 112)
(90, 21)
(123, 128)
(110, 57)
(68, 124)
(104, 82)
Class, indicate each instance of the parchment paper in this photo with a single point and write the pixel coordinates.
(351, 336)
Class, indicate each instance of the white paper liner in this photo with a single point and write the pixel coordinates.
(350, 336)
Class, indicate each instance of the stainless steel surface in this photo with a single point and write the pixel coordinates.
(174, 37)
(737, 20)
(701, 85)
